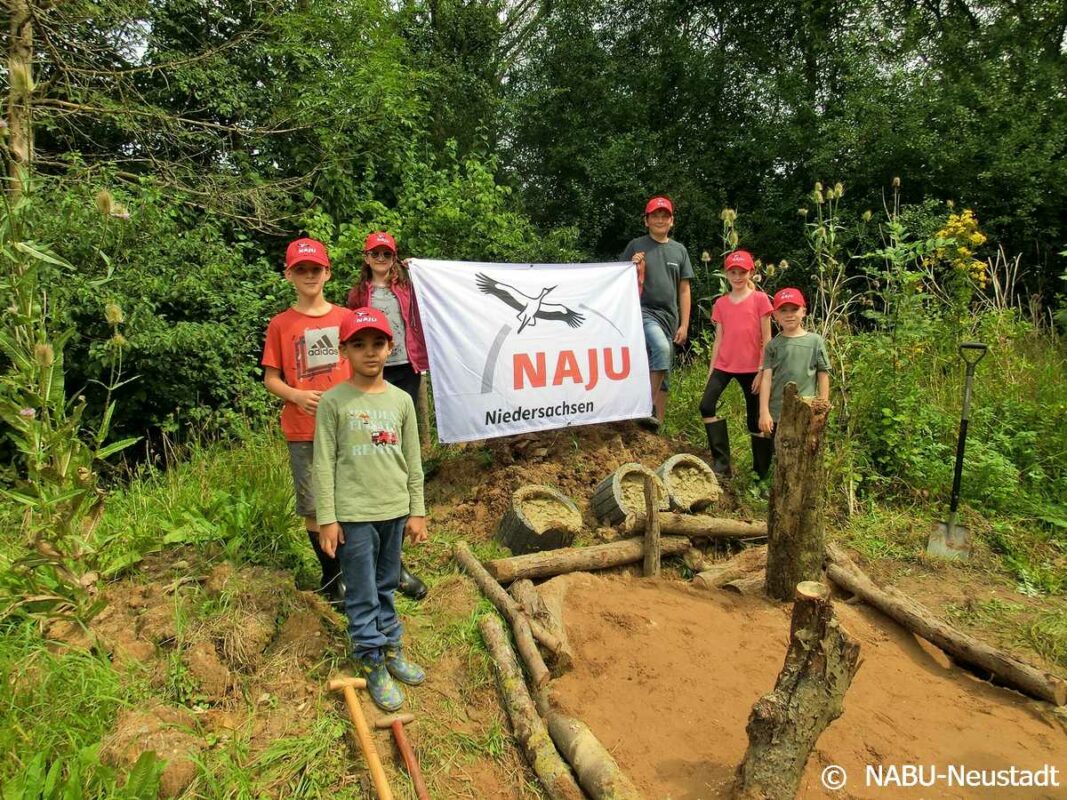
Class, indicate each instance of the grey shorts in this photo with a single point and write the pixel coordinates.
(300, 462)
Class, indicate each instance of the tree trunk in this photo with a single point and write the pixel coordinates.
(598, 773)
(540, 518)
(20, 95)
(809, 694)
(960, 646)
(653, 545)
(579, 559)
(520, 625)
(422, 410)
(794, 521)
(527, 725)
(698, 526)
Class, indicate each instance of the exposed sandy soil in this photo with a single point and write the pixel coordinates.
(666, 677)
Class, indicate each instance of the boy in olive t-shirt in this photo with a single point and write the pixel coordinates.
(793, 356)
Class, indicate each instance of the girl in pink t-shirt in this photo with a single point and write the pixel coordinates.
(742, 329)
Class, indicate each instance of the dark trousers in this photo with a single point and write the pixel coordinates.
(717, 383)
(404, 377)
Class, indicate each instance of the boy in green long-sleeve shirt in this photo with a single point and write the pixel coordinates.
(369, 494)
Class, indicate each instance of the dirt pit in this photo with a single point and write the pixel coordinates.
(666, 676)
(546, 513)
(693, 488)
(632, 488)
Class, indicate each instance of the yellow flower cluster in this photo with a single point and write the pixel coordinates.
(963, 229)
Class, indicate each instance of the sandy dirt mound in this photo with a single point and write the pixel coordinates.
(472, 491)
(666, 677)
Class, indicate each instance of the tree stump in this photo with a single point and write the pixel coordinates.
(794, 519)
(540, 518)
(690, 483)
(622, 493)
(809, 694)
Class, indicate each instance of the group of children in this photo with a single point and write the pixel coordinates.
(350, 381)
(743, 349)
(350, 377)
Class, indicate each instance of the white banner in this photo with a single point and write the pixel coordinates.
(528, 347)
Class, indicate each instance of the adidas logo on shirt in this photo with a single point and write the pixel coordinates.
(322, 348)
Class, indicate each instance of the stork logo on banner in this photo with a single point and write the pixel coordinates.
(530, 307)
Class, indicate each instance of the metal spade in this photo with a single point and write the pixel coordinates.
(950, 539)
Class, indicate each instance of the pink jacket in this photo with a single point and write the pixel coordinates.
(414, 341)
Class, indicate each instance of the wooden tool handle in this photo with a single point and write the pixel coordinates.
(366, 743)
(410, 761)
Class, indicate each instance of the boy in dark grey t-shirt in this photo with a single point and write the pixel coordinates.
(665, 299)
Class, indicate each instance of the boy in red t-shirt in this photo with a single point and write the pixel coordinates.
(301, 360)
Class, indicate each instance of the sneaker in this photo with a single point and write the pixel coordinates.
(403, 670)
(380, 684)
(411, 586)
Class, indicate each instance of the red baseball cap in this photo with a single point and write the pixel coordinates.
(740, 259)
(306, 250)
(658, 202)
(784, 297)
(362, 319)
(379, 239)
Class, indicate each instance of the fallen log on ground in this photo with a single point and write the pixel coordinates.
(808, 695)
(598, 773)
(961, 646)
(697, 526)
(533, 603)
(744, 564)
(529, 729)
(520, 625)
(579, 559)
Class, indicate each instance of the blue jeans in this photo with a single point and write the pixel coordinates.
(370, 564)
(659, 347)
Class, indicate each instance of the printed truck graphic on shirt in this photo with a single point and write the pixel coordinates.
(316, 351)
(382, 438)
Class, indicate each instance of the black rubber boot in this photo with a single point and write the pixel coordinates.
(410, 585)
(330, 587)
(762, 452)
(719, 445)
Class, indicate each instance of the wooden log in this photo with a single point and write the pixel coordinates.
(690, 483)
(744, 564)
(697, 526)
(549, 619)
(794, 519)
(598, 773)
(622, 493)
(579, 559)
(808, 695)
(749, 585)
(540, 518)
(960, 646)
(529, 729)
(653, 546)
(520, 625)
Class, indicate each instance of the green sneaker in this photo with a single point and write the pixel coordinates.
(380, 684)
(403, 670)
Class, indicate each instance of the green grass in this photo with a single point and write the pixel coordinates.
(56, 704)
